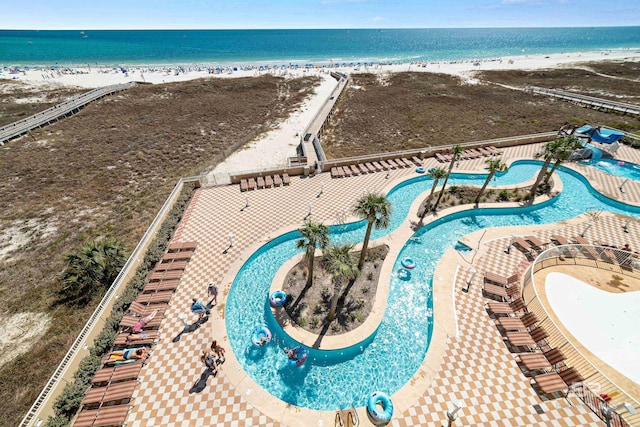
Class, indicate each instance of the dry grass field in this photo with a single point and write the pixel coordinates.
(415, 109)
(103, 172)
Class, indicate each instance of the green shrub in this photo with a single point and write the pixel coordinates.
(504, 195)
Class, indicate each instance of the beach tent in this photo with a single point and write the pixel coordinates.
(600, 134)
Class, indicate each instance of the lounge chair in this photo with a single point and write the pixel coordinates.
(125, 339)
(182, 246)
(542, 361)
(363, 168)
(392, 163)
(407, 162)
(490, 277)
(527, 339)
(496, 151)
(377, 166)
(509, 309)
(587, 249)
(268, 181)
(536, 243)
(285, 179)
(371, 168)
(346, 170)
(105, 416)
(260, 182)
(385, 165)
(163, 285)
(145, 310)
(474, 153)
(118, 373)
(131, 321)
(110, 393)
(485, 151)
(157, 276)
(277, 181)
(504, 293)
(354, 170)
(518, 323)
(560, 240)
(155, 298)
(524, 247)
(170, 265)
(244, 186)
(416, 161)
(334, 172)
(554, 382)
(177, 256)
(440, 158)
(251, 182)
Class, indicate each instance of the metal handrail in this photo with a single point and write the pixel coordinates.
(614, 105)
(562, 252)
(91, 323)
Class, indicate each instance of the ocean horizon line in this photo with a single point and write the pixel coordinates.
(323, 28)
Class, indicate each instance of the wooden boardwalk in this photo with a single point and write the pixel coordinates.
(590, 101)
(58, 112)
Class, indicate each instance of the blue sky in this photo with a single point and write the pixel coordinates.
(243, 14)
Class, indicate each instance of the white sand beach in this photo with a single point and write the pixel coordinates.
(273, 148)
(604, 322)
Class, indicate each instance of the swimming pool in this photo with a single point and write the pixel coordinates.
(617, 167)
(332, 378)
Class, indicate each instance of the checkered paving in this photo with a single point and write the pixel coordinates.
(224, 222)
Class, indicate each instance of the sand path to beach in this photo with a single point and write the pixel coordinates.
(273, 148)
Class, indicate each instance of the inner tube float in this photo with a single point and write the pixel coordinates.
(420, 169)
(277, 299)
(408, 263)
(379, 408)
(260, 335)
(621, 163)
(300, 356)
(404, 274)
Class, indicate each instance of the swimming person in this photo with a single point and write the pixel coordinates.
(291, 353)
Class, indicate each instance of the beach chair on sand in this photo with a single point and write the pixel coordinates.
(517, 323)
(558, 382)
(542, 361)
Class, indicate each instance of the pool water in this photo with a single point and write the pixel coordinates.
(616, 167)
(387, 359)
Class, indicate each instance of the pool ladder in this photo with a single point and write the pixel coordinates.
(348, 419)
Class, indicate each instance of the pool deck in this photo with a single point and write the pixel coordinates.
(467, 359)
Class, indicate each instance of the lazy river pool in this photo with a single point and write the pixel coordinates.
(329, 379)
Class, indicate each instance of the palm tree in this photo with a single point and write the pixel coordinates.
(570, 144)
(314, 235)
(436, 174)
(494, 166)
(376, 209)
(457, 152)
(94, 265)
(342, 265)
(550, 148)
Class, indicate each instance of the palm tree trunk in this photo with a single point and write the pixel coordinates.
(484, 186)
(310, 277)
(435, 206)
(428, 202)
(363, 253)
(553, 169)
(543, 170)
(334, 301)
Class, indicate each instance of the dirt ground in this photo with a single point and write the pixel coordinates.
(311, 310)
(414, 110)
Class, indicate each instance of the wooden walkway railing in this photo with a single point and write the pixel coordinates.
(57, 112)
(587, 100)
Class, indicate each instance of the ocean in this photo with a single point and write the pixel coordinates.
(237, 47)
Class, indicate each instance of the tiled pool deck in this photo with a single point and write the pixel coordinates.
(472, 365)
